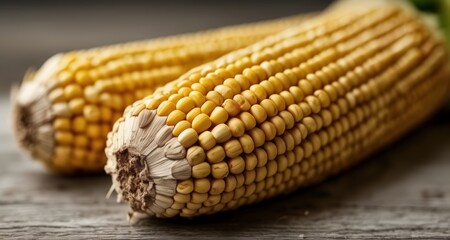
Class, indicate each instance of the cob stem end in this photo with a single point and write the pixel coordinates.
(32, 117)
(21, 127)
(134, 179)
(146, 166)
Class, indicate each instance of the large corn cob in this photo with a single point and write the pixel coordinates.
(64, 111)
(286, 112)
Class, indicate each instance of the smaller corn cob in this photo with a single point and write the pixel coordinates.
(283, 113)
(64, 111)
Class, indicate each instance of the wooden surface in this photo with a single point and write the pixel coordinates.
(403, 192)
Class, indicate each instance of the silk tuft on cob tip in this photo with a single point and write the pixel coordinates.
(64, 110)
(283, 113)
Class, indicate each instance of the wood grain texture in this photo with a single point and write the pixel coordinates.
(401, 193)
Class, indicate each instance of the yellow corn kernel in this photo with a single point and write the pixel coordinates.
(91, 88)
(287, 112)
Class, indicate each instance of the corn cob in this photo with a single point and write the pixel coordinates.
(64, 111)
(283, 113)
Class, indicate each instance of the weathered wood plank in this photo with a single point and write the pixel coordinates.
(401, 193)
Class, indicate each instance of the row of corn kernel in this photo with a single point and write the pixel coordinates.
(358, 135)
(211, 76)
(260, 71)
(208, 122)
(360, 118)
(225, 131)
(70, 101)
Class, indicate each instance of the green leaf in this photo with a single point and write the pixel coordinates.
(444, 16)
(426, 5)
(439, 7)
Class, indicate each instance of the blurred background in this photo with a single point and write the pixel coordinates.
(32, 31)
